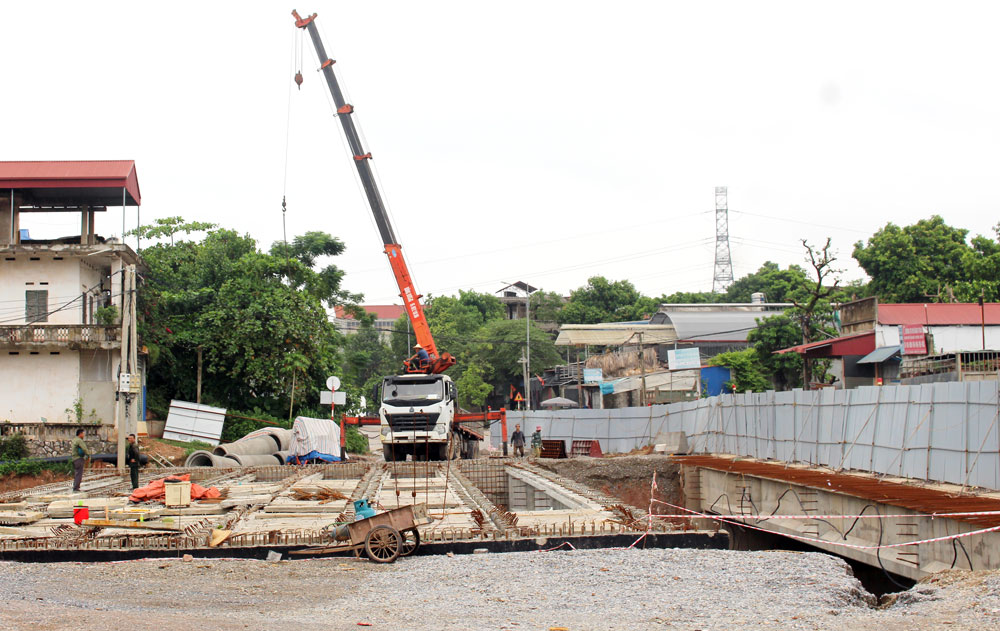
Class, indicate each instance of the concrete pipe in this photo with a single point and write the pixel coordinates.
(282, 437)
(256, 446)
(203, 458)
(255, 460)
(282, 456)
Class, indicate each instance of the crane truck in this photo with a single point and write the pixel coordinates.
(418, 410)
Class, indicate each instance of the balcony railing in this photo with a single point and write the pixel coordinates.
(85, 334)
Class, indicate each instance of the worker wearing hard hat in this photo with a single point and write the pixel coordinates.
(536, 442)
(420, 358)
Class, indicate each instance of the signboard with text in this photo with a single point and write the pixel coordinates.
(684, 359)
(593, 375)
(914, 340)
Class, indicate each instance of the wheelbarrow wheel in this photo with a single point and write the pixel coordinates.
(383, 543)
(411, 541)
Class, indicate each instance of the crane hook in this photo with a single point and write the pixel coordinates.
(298, 79)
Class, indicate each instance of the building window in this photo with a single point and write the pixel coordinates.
(36, 305)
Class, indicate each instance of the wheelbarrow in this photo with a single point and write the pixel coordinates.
(383, 537)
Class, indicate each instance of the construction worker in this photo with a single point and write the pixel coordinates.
(79, 452)
(517, 440)
(420, 359)
(132, 460)
(536, 442)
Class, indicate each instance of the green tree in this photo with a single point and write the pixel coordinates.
(602, 300)
(366, 357)
(814, 300)
(500, 345)
(746, 372)
(915, 263)
(472, 389)
(258, 318)
(775, 283)
(773, 334)
(545, 306)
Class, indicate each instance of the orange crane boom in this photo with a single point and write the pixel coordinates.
(439, 361)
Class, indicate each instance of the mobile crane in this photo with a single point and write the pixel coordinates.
(418, 411)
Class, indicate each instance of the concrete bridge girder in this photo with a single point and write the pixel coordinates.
(721, 492)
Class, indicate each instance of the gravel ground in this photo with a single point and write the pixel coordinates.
(602, 589)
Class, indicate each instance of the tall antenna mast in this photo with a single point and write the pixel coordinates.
(723, 260)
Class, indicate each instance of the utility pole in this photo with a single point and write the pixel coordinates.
(527, 352)
(198, 387)
(723, 260)
(642, 367)
(126, 413)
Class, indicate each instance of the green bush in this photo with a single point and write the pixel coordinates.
(236, 428)
(14, 447)
(33, 467)
(106, 316)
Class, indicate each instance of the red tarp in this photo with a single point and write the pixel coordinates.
(154, 490)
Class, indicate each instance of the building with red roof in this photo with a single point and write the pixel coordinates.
(62, 298)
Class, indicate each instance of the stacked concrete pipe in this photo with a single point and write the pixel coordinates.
(255, 460)
(256, 446)
(202, 458)
(266, 446)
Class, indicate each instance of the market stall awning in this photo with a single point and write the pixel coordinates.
(857, 344)
(879, 355)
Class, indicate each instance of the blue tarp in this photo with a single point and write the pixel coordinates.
(312, 455)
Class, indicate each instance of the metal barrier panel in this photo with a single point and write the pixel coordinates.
(945, 432)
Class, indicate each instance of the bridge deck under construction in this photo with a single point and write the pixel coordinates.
(473, 500)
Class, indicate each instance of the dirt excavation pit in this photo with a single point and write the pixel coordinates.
(628, 478)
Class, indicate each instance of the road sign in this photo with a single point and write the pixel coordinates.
(339, 397)
(333, 382)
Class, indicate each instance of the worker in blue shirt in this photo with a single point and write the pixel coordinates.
(423, 359)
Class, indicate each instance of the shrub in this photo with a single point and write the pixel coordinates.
(14, 447)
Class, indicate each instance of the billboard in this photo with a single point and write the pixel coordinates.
(684, 359)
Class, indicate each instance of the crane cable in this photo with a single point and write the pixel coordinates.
(297, 68)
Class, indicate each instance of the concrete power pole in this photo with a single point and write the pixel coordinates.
(723, 260)
(128, 380)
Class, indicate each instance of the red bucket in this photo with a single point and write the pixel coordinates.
(80, 513)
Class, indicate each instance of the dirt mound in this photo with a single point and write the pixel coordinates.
(14, 482)
(627, 478)
(173, 453)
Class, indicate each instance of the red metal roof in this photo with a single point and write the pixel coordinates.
(382, 312)
(857, 344)
(939, 314)
(91, 181)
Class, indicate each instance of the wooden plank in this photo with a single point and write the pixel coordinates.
(146, 525)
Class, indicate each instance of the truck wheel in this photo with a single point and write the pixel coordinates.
(387, 453)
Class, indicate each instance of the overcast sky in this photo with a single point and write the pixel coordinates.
(538, 141)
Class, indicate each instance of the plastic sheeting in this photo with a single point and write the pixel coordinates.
(943, 432)
(314, 438)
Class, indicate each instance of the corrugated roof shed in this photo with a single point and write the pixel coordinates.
(939, 314)
(614, 334)
(717, 326)
(71, 182)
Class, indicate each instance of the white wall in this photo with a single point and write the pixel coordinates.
(38, 386)
(60, 278)
(947, 339)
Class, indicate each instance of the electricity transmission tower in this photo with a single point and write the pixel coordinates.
(723, 260)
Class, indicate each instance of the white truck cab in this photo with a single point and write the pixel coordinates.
(416, 416)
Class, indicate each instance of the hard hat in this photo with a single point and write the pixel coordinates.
(538, 429)
(417, 346)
